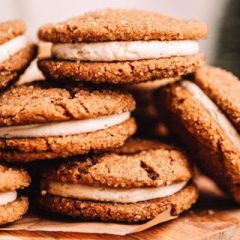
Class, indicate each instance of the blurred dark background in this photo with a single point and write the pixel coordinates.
(228, 41)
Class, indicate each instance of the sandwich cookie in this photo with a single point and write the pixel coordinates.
(205, 114)
(12, 206)
(147, 114)
(16, 52)
(122, 46)
(133, 184)
(39, 121)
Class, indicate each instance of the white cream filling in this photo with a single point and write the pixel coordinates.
(214, 110)
(123, 51)
(7, 197)
(63, 128)
(132, 195)
(12, 46)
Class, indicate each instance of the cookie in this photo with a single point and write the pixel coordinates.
(12, 205)
(41, 121)
(205, 114)
(122, 46)
(131, 184)
(147, 114)
(16, 52)
(121, 25)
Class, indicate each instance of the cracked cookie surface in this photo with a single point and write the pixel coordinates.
(41, 103)
(122, 25)
(139, 163)
(117, 25)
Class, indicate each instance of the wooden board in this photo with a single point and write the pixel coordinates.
(213, 217)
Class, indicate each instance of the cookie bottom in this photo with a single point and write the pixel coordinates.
(13, 211)
(29, 149)
(11, 68)
(121, 72)
(118, 212)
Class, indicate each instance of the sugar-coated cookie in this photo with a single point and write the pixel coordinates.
(131, 184)
(12, 205)
(122, 46)
(16, 52)
(40, 121)
(205, 115)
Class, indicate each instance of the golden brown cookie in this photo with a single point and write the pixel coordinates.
(13, 211)
(12, 178)
(11, 68)
(119, 46)
(40, 121)
(40, 102)
(223, 87)
(117, 212)
(139, 163)
(200, 113)
(125, 185)
(42, 148)
(121, 25)
(16, 52)
(12, 206)
(120, 72)
(11, 29)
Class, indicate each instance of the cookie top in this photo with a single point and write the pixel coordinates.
(140, 163)
(40, 103)
(223, 88)
(10, 29)
(12, 178)
(122, 25)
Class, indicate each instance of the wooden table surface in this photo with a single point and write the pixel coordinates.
(213, 217)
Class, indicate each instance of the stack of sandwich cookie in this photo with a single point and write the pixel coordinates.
(122, 46)
(40, 121)
(205, 114)
(12, 206)
(16, 52)
(135, 183)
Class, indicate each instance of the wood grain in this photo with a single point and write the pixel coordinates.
(213, 217)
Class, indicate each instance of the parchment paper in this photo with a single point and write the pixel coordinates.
(35, 223)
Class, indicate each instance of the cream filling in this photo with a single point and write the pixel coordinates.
(12, 46)
(123, 51)
(122, 195)
(215, 112)
(63, 128)
(7, 197)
